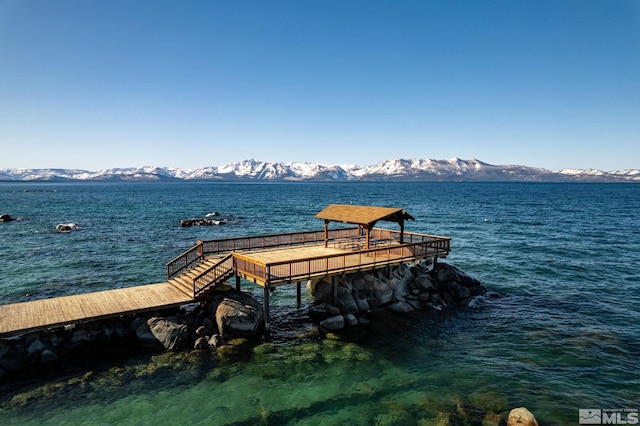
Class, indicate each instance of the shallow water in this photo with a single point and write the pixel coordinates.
(563, 337)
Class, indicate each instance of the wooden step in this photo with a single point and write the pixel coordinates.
(183, 285)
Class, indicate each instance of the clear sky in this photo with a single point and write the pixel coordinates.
(101, 84)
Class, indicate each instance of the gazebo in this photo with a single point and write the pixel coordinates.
(365, 217)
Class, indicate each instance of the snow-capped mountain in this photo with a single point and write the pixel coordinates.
(416, 170)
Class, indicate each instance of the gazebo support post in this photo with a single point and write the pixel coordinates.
(326, 233)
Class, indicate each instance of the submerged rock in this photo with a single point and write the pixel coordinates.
(521, 417)
(323, 311)
(215, 341)
(48, 357)
(350, 320)
(201, 343)
(401, 307)
(333, 323)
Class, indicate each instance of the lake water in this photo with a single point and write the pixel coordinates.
(564, 336)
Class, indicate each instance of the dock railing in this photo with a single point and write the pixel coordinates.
(258, 242)
(385, 249)
(415, 246)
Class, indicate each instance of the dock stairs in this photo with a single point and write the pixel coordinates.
(205, 275)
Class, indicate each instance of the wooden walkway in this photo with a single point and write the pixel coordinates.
(268, 261)
(41, 314)
(58, 311)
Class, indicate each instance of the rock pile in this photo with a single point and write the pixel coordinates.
(401, 289)
(6, 218)
(203, 222)
(67, 227)
(227, 314)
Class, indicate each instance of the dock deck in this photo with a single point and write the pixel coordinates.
(267, 260)
(58, 311)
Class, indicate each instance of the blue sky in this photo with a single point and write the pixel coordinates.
(100, 84)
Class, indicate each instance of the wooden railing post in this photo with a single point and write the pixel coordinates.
(200, 246)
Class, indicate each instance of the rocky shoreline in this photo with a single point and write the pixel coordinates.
(346, 301)
(226, 314)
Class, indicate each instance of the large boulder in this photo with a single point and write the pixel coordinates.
(361, 301)
(171, 334)
(449, 273)
(376, 292)
(423, 281)
(345, 301)
(382, 293)
(146, 339)
(322, 292)
(400, 286)
(239, 314)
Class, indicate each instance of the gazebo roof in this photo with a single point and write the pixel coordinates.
(362, 215)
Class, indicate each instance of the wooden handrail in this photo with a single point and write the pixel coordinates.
(218, 272)
(291, 271)
(233, 245)
(258, 242)
(185, 260)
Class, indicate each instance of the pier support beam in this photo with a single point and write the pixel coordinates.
(267, 289)
(299, 294)
(238, 287)
(267, 316)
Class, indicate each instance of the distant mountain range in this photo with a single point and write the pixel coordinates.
(415, 170)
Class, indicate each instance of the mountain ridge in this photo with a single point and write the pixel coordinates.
(402, 170)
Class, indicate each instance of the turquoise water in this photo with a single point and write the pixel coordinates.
(563, 337)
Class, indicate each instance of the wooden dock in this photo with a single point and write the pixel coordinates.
(45, 313)
(267, 260)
